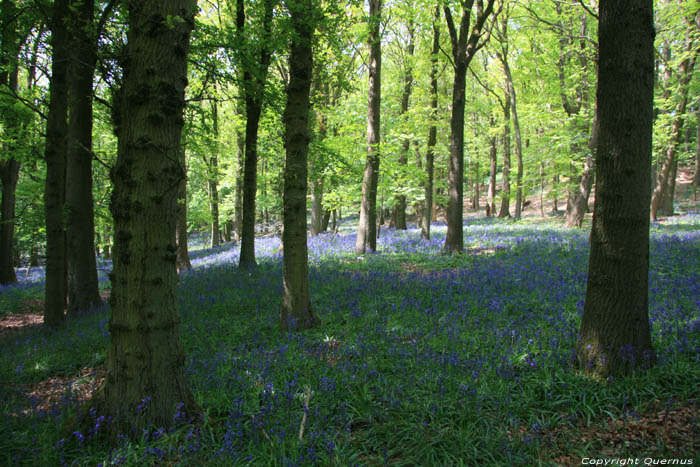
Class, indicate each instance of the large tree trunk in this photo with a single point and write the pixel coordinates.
(213, 182)
(427, 213)
(505, 191)
(146, 383)
(367, 227)
(615, 332)
(56, 147)
(296, 304)
(454, 240)
(399, 213)
(465, 44)
(183, 254)
(9, 174)
(83, 288)
(9, 166)
(254, 85)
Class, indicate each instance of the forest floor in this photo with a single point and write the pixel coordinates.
(421, 359)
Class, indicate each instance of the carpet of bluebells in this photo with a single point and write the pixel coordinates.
(421, 359)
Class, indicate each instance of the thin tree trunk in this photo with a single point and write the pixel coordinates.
(696, 176)
(83, 288)
(317, 206)
(296, 310)
(518, 140)
(615, 333)
(399, 213)
(367, 227)
(213, 179)
(254, 84)
(183, 255)
(146, 383)
(685, 73)
(238, 202)
(577, 205)
(55, 188)
(427, 213)
(325, 220)
(505, 191)
(493, 168)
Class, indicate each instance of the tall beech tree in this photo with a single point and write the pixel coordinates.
(255, 61)
(465, 43)
(427, 213)
(399, 211)
(9, 164)
(145, 384)
(82, 286)
(615, 333)
(367, 227)
(55, 155)
(296, 302)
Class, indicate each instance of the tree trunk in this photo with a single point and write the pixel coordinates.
(254, 85)
(55, 188)
(685, 73)
(464, 46)
(316, 206)
(505, 196)
(475, 199)
(238, 202)
(213, 179)
(83, 288)
(367, 227)
(696, 175)
(615, 333)
(9, 166)
(325, 220)
(493, 168)
(183, 255)
(518, 140)
(577, 205)
(427, 214)
(399, 213)
(9, 174)
(296, 311)
(146, 386)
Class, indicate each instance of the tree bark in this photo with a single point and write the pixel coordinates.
(615, 332)
(518, 140)
(662, 177)
(213, 182)
(238, 202)
(505, 191)
(254, 85)
(183, 254)
(146, 384)
(427, 214)
(296, 311)
(367, 226)
(55, 154)
(317, 206)
(399, 212)
(696, 176)
(9, 166)
(493, 168)
(83, 287)
(465, 44)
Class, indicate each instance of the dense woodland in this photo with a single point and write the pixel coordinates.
(302, 232)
